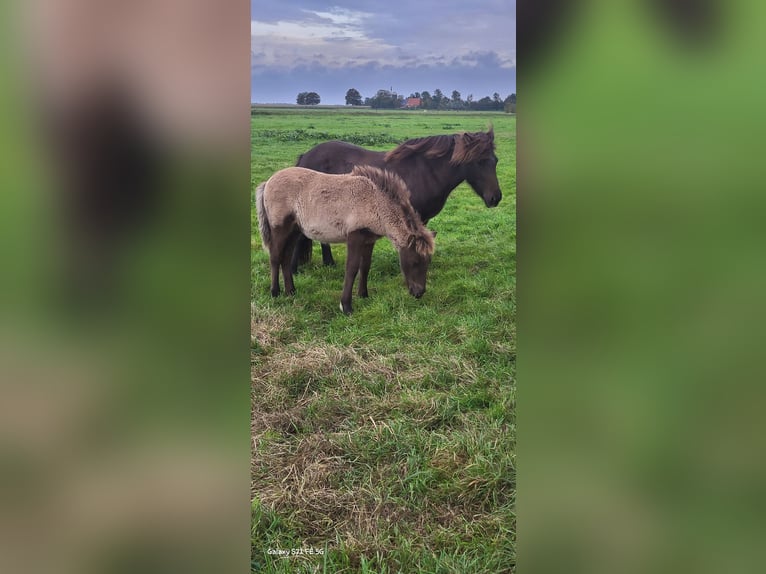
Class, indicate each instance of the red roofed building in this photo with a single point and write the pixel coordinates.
(412, 103)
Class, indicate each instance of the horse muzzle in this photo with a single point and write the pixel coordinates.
(493, 200)
(417, 292)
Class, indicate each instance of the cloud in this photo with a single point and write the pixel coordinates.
(468, 46)
(355, 36)
(338, 35)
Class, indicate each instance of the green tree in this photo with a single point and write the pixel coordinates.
(457, 103)
(437, 98)
(301, 99)
(312, 99)
(353, 97)
(485, 104)
(426, 101)
(509, 104)
(386, 100)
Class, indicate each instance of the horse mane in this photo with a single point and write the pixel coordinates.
(393, 187)
(464, 147)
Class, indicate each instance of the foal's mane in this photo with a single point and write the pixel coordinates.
(464, 147)
(393, 187)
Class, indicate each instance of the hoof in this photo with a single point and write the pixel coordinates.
(275, 292)
(346, 309)
(364, 295)
(290, 293)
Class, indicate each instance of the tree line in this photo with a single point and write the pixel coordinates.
(386, 99)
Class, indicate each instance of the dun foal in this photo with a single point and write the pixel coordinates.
(357, 208)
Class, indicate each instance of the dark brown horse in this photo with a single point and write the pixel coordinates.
(357, 209)
(431, 167)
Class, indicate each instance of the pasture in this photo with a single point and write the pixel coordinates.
(384, 441)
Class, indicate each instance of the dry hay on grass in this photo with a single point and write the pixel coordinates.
(304, 394)
(266, 325)
(317, 362)
(304, 481)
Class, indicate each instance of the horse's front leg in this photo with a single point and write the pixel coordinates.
(353, 259)
(364, 267)
(327, 255)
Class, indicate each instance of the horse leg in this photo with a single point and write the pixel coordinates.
(327, 255)
(279, 240)
(287, 258)
(274, 255)
(300, 247)
(364, 267)
(353, 259)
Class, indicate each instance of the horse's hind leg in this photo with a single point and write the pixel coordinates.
(353, 260)
(327, 255)
(364, 267)
(280, 241)
(274, 262)
(287, 258)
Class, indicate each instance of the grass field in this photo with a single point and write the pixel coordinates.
(385, 441)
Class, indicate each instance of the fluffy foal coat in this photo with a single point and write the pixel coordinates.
(357, 209)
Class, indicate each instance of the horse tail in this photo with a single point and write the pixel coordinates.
(263, 219)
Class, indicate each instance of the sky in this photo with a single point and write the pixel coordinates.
(304, 46)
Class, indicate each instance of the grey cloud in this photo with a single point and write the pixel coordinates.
(467, 46)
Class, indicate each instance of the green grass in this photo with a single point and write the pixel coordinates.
(386, 440)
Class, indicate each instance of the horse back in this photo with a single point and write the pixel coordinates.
(338, 157)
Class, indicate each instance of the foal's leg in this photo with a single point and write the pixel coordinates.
(364, 267)
(353, 259)
(327, 255)
(286, 259)
(275, 253)
(274, 261)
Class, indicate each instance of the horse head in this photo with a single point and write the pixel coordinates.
(414, 259)
(476, 152)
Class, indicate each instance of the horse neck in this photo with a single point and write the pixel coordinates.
(397, 228)
(441, 178)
